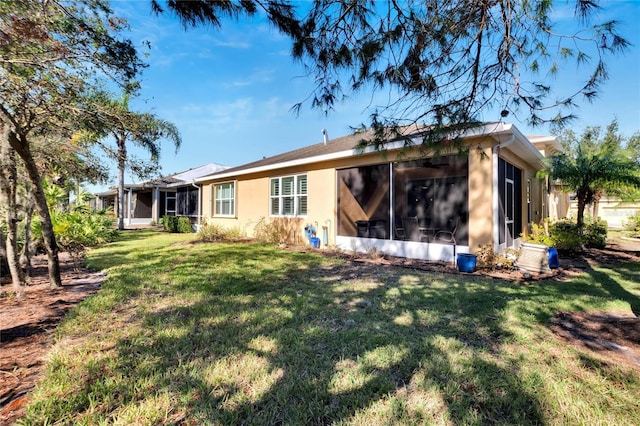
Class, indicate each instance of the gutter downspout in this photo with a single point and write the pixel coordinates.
(496, 196)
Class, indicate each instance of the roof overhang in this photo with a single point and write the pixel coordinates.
(499, 131)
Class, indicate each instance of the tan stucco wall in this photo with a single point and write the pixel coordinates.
(252, 193)
(252, 202)
(480, 197)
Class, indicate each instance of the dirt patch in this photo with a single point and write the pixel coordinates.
(28, 320)
(27, 323)
(615, 337)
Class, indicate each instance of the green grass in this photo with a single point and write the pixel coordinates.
(250, 334)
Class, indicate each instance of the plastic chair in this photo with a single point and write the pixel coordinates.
(447, 236)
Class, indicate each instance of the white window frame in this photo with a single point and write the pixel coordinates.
(232, 199)
(297, 195)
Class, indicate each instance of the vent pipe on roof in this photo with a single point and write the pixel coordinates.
(325, 136)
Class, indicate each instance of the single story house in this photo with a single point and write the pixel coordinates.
(399, 201)
(147, 202)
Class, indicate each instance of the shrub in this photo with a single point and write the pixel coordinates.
(271, 232)
(507, 259)
(632, 225)
(211, 232)
(487, 258)
(78, 228)
(215, 232)
(184, 225)
(169, 223)
(566, 235)
(538, 235)
(179, 224)
(595, 234)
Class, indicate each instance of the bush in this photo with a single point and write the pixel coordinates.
(271, 232)
(184, 225)
(565, 235)
(487, 258)
(169, 223)
(539, 235)
(632, 225)
(214, 232)
(78, 228)
(176, 224)
(595, 234)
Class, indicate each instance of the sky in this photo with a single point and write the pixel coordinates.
(230, 90)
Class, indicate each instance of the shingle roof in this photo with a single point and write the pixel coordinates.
(341, 144)
(335, 145)
(348, 145)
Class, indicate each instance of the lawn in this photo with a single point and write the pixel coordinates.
(239, 333)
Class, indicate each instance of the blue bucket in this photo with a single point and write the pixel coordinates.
(553, 258)
(466, 262)
(315, 242)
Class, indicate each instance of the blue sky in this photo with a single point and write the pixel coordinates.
(230, 90)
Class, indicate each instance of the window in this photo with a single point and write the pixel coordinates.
(363, 201)
(288, 196)
(187, 201)
(225, 199)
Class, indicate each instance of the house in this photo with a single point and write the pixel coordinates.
(399, 201)
(147, 202)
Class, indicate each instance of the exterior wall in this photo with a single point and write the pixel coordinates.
(481, 192)
(252, 202)
(559, 203)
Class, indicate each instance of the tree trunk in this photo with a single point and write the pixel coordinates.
(596, 205)
(21, 146)
(27, 249)
(581, 206)
(8, 190)
(122, 156)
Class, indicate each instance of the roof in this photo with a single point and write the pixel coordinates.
(347, 146)
(187, 176)
(170, 181)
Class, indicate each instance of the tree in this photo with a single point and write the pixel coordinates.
(53, 54)
(9, 204)
(144, 130)
(593, 164)
(442, 63)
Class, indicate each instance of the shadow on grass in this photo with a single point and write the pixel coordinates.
(610, 280)
(341, 343)
(249, 334)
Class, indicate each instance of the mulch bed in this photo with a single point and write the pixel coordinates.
(27, 322)
(28, 319)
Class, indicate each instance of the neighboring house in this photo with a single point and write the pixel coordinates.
(558, 201)
(399, 201)
(610, 209)
(147, 202)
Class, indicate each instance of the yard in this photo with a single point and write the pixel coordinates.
(229, 333)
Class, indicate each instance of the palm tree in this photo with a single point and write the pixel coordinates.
(144, 130)
(591, 166)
